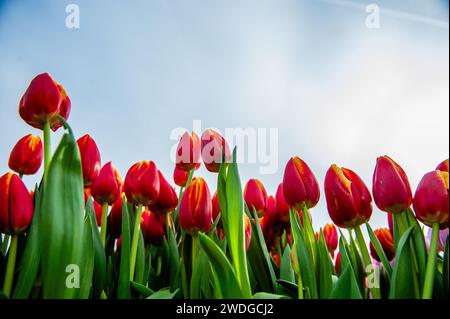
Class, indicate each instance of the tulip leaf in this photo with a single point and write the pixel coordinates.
(62, 221)
(141, 289)
(259, 258)
(287, 288)
(140, 260)
(265, 295)
(325, 268)
(123, 291)
(305, 261)
(419, 246)
(402, 285)
(445, 270)
(99, 276)
(225, 275)
(164, 294)
(286, 271)
(380, 252)
(87, 261)
(346, 286)
(29, 265)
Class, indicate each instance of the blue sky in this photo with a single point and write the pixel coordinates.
(337, 91)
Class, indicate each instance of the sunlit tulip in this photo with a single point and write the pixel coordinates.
(431, 199)
(16, 205)
(188, 154)
(115, 218)
(331, 237)
(142, 183)
(107, 186)
(167, 200)
(443, 166)
(391, 189)
(214, 146)
(387, 243)
(255, 196)
(348, 200)
(43, 101)
(26, 156)
(153, 228)
(196, 208)
(281, 206)
(300, 186)
(90, 159)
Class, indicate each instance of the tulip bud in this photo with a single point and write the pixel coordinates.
(337, 263)
(247, 231)
(167, 200)
(188, 152)
(142, 183)
(196, 208)
(391, 189)
(255, 196)
(43, 101)
(348, 200)
(282, 207)
(214, 146)
(387, 243)
(107, 186)
(16, 205)
(431, 199)
(180, 177)
(26, 156)
(115, 218)
(300, 186)
(331, 238)
(90, 159)
(443, 166)
(153, 228)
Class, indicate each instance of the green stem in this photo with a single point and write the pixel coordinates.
(366, 257)
(47, 146)
(191, 174)
(134, 243)
(10, 267)
(278, 243)
(166, 216)
(104, 223)
(431, 263)
(194, 268)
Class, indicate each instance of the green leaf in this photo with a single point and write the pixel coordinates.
(402, 284)
(265, 295)
(224, 271)
(123, 291)
(29, 265)
(287, 288)
(99, 276)
(259, 258)
(62, 219)
(325, 269)
(419, 246)
(347, 286)
(140, 260)
(380, 252)
(164, 294)
(286, 271)
(445, 270)
(87, 263)
(141, 289)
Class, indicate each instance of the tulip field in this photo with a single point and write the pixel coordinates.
(84, 232)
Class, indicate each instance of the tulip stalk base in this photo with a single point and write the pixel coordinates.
(134, 243)
(431, 263)
(10, 267)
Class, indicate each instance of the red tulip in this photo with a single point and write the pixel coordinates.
(214, 146)
(337, 263)
(180, 177)
(387, 243)
(107, 186)
(153, 228)
(16, 205)
(391, 189)
(43, 100)
(331, 237)
(188, 152)
(431, 199)
(255, 196)
(26, 156)
(115, 218)
(348, 199)
(270, 224)
(142, 183)
(300, 186)
(90, 159)
(281, 206)
(247, 231)
(196, 207)
(215, 206)
(167, 200)
(443, 166)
